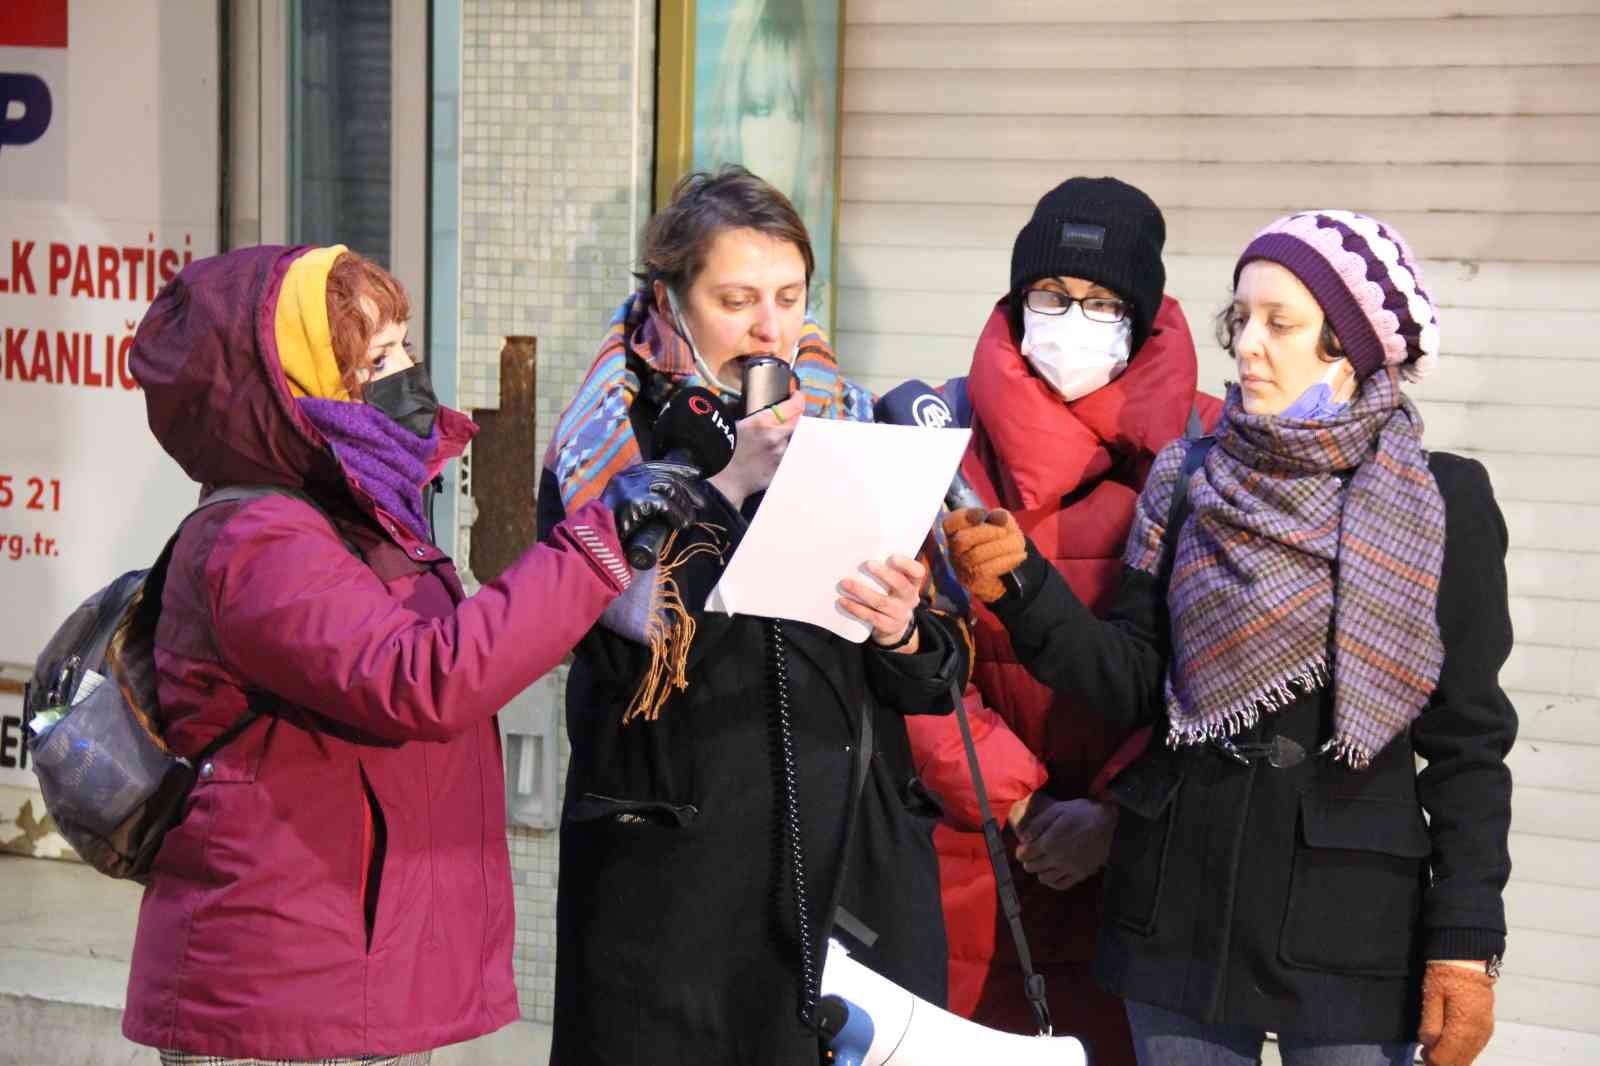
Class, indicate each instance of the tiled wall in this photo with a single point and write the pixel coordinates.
(557, 151)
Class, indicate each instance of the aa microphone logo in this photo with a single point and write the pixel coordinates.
(931, 412)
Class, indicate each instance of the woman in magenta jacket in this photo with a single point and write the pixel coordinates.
(339, 887)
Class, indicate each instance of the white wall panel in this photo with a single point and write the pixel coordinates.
(1080, 12)
(1337, 91)
(1310, 46)
(1472, 125)
(1553, 814)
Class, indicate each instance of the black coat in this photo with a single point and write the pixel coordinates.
(1302, 900)
(675, 917)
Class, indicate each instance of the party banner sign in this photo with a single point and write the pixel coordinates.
(109, 183)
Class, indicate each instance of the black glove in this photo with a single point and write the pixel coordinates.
(653, 491)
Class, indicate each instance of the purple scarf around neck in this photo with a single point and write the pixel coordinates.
(1286, 579)
(389, 461)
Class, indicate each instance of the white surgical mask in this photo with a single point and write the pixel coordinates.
(1076, 356)
(731, 391)
(694, 349)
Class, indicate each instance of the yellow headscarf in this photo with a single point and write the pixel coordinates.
(305, 339)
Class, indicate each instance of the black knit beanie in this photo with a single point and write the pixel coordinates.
(1099, 229)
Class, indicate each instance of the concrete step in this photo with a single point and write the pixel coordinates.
(67, 937)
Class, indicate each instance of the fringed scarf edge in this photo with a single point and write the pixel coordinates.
(1310, 676)
(670, 631)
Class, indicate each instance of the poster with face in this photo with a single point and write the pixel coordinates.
(766, 96)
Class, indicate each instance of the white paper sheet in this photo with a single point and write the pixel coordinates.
(845, 493)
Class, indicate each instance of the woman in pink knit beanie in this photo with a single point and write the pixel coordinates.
(1328, 604)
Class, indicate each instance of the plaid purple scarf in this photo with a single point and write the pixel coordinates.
(1285, 566)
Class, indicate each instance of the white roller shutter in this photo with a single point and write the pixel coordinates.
(1472, 125)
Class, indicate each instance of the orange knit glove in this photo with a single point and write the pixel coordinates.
(983, 547)
(1457, 1014)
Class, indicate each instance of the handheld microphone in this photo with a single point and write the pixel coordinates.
(915, 403)
(764, 381)
(692, 431)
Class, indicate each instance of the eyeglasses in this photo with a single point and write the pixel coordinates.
(1056, 302)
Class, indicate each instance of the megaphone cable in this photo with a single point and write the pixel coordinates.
(790, 845)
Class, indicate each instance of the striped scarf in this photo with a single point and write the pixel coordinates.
(594, 439)
(1287, 577)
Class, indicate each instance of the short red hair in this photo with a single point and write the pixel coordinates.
(354, 280)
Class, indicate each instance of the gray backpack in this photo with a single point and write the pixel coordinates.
(93, 728)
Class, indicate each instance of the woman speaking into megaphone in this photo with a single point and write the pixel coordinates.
(737, 784)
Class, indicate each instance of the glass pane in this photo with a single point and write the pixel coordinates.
(339, 94)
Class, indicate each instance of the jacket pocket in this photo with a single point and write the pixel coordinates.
(1355, 893)
(1137, 866)
(376, 838)
(593, 807)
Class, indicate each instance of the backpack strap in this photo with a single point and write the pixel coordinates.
(1178, 510)
(230, 493)
(156, 580)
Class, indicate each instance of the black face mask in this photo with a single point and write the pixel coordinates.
(407, 397)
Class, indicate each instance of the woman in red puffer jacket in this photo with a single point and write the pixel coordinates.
(1084, 371)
